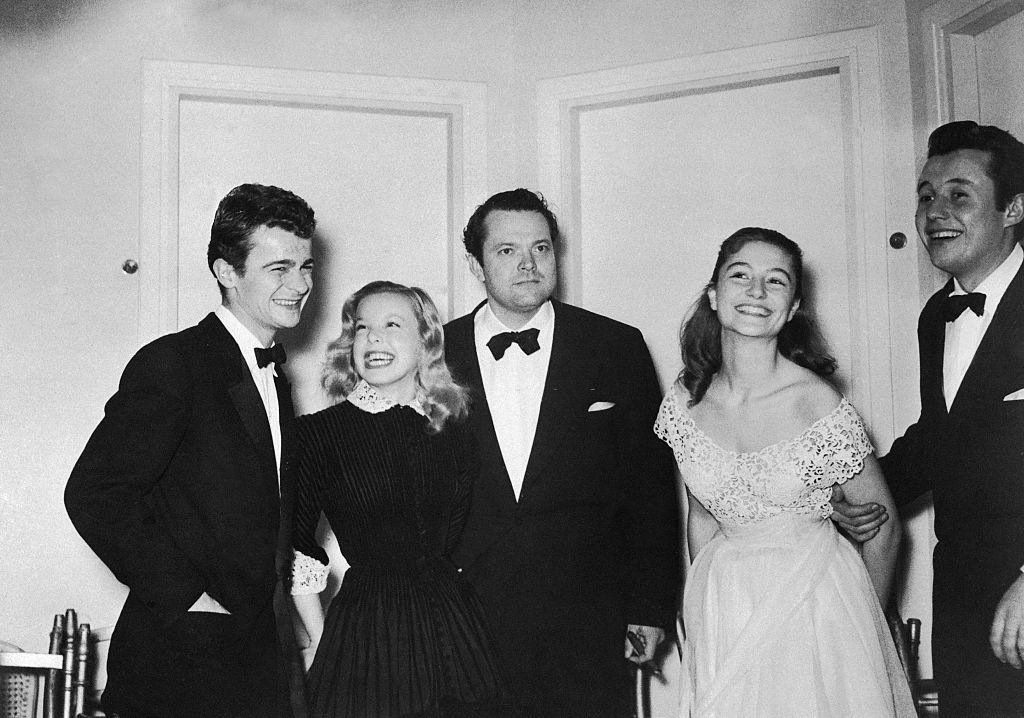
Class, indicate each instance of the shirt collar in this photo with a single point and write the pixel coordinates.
(245, 339)
(487, 323)
(994, 285)
(365, 397)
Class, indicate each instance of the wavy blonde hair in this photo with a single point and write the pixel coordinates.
(437, 392)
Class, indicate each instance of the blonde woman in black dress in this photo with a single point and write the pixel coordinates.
(391, 468)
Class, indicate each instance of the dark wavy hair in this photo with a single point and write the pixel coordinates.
(700, 337)
(516, 200)
(248, 207)
(1005, 157)
(437, 392)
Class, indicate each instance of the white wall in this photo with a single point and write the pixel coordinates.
(70, 109)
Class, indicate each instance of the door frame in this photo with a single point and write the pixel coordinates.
(854, 54)
(948, 31)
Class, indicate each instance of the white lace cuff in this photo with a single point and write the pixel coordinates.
(308, 575)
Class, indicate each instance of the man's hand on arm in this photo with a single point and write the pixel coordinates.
(860, 521)
(1007, 635)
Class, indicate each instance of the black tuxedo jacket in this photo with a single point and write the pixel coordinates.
(177, 492)
(972, 459)
(592, 543)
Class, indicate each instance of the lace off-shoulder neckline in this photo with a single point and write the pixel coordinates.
(811, 428)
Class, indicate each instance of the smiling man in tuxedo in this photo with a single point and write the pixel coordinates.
(184, 491)
(967, 447)
(572, 537)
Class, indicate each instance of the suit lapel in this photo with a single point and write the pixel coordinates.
(932, 338)
(567, 379)
(247, 402)
(287, 412)
(494, 479)
(986, 377)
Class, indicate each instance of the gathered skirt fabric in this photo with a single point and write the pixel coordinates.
(406, 635)
(781, 619)
(404, 643)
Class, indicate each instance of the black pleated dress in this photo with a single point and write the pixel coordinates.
(406, 635)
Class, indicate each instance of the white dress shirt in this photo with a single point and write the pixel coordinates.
(965, 333)
(514, 386)
(264, 377)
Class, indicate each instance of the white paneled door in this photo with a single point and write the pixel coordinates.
(389, 165)
(378, 184)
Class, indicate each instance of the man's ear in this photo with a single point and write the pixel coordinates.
(475, 268)
(225, 273)
(1014, 211)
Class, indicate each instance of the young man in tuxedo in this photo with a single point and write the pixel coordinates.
(183, 490)
(572, 537)
(967, 447)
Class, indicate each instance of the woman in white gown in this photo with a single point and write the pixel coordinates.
(781, 615)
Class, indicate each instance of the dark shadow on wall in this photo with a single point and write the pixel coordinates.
(314, 313)
(841, 379)
(40, 17)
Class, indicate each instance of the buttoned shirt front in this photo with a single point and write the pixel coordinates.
(514, 386)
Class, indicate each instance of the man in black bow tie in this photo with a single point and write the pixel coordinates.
(967, 447)
(572, 534)
(184, 490)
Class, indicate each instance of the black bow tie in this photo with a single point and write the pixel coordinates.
(526, 339)
(955, 305)
(274, 354)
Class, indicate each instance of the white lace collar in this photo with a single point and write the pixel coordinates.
(365, 397)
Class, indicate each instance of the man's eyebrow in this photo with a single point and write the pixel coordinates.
(951, 180)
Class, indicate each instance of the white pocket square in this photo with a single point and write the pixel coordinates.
(1015, 396)
(603, 405)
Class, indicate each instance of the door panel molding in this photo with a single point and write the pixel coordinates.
(948, 31)
(854, 55)
(167, 84)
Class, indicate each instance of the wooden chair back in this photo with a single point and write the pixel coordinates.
(50, 685)
(907, 637)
